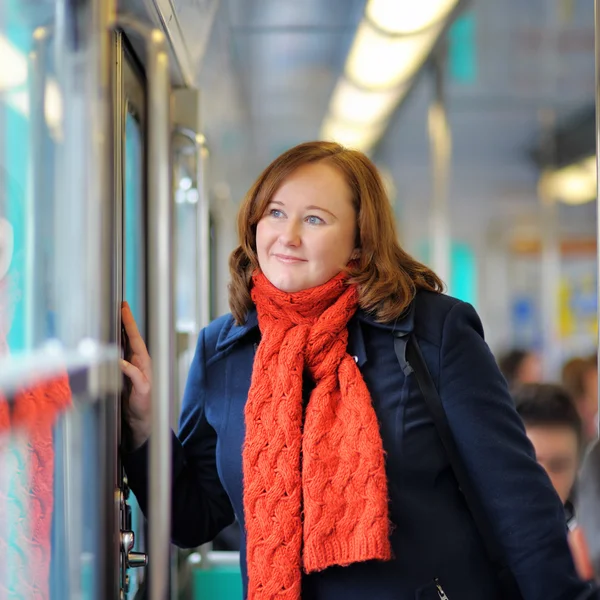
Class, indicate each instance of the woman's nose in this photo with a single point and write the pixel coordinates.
(290, 236)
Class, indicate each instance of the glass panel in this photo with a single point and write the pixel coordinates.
(27, 153)
(50, 464)
(49, 504)
(134, 280)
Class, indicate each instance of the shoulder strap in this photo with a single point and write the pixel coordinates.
(411, 360)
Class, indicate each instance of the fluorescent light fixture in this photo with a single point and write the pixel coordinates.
(355, 105)
(392, 42)
(53, 106)
(408, 16)
(378, 61)
(13, 65)
(574, 184)
(356, 136)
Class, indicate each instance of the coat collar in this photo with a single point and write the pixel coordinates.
(356, 345)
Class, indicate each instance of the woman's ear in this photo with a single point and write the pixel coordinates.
(355, 254)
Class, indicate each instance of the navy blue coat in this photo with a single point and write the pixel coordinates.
(434, 537)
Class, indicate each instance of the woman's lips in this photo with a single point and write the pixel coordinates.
(288, 259)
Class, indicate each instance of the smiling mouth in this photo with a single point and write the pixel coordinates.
(288, 259)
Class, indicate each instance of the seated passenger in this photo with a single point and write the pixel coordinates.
(554, 428)
(520, 367)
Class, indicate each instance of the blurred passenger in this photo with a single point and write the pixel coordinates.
(298, 419)
(554, 428)
(520, 366)
(586, 538)
(580, 378)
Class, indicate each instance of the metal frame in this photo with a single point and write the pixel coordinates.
(35, 209)
(202, 246)
(160, 294)
(91, 369)
(597, 87)
(441, 149)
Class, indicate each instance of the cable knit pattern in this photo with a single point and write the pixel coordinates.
(315, 487)
(33, 415)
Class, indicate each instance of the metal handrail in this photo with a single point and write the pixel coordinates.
(202, 300)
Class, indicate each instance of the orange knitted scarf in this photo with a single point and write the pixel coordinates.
(315, 487)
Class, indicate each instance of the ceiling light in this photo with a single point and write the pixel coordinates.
(358, 137)
(53, 106)
(379, 61)
(408, 16)
(574, 184)
(356, 105)
(13, 65)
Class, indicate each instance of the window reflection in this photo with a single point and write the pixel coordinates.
(27, 477)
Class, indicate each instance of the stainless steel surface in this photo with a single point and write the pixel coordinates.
(127, 541)
(215, 557)
(597, 99)
(135, 560)
(203, 281)
(441, 148)
(202, 246)
(187, 25)
(161, 310)
(161, 322)
(101, 253)
(37, 209)
(118, 257)
(51, 361)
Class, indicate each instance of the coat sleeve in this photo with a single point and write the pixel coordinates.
(200, 505)
(515, 491)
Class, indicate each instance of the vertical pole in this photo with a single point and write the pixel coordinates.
(161, 311)
(203, 226)
(100, 227)
(37, 199)
(597, 51)
(441, 148)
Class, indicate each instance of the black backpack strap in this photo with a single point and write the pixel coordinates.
(411, 360)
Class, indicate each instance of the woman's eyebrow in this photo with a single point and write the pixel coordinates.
(314, 207)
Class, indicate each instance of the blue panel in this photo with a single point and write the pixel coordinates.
(462, 49)
(463, 270)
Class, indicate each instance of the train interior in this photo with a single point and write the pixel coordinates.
(131, 131)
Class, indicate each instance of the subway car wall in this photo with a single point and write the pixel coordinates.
(131, 133)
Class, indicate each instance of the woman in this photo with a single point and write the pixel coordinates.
(298, 419)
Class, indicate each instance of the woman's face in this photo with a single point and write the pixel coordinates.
(308, 231)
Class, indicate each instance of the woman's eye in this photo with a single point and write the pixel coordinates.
(275, 213)
(312, 220)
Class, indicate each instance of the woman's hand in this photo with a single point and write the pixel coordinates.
(138, 367)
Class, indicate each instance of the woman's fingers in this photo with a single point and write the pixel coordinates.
(139, 380)
(136, 342)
